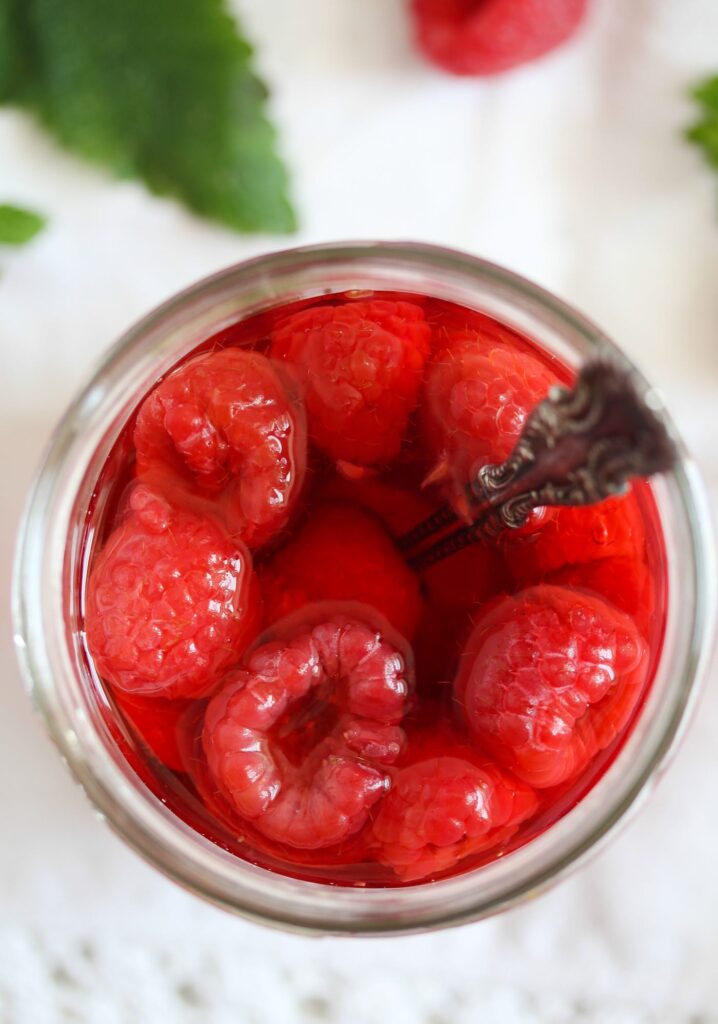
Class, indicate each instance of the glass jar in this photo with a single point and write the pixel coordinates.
(50, 567)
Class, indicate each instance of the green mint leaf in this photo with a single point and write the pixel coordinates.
(158, 89)
(8, 53)
(18, 226)
(705, 130)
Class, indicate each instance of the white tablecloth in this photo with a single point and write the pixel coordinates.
(572, 172)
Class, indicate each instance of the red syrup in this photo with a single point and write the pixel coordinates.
(268, 659)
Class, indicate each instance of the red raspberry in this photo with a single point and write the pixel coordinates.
(467, 579)
(171, 602)
(577, 536)
(158, 724)
(225, 424)
(456, 588)
(399, 509)
(342, 554)
(477, 397)
(550, 678)
(322, 794)
(601, 548)
(485, 37)
(360, 364)
(448, 804)
(626, 583)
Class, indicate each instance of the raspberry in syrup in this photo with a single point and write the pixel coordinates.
(285, 679)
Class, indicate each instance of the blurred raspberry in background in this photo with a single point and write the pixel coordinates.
(485, 37)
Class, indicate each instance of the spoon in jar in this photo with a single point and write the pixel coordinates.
(578, 446)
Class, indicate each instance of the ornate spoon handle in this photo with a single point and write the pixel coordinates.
(577, 447)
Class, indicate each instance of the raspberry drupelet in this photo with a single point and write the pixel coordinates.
(282, 672)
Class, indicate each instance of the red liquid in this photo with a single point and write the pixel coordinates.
(615, 552)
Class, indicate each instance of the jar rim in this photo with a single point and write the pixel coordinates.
(45, 648)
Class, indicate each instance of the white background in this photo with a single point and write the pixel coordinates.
(572, 171)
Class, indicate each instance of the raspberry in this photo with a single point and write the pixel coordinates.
(601, 548)
(225, 424)
(625, 582)
(158, 724)
(477, 397)
(550, 678)
(485, 37)
(455, 590)
(360, 364)
(577, 536)
(399, 509)
(319, 794)
(171, 602)
(446, 807)
(467, 579)
(342, 554)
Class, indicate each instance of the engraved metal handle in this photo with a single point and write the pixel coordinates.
(579, 446)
